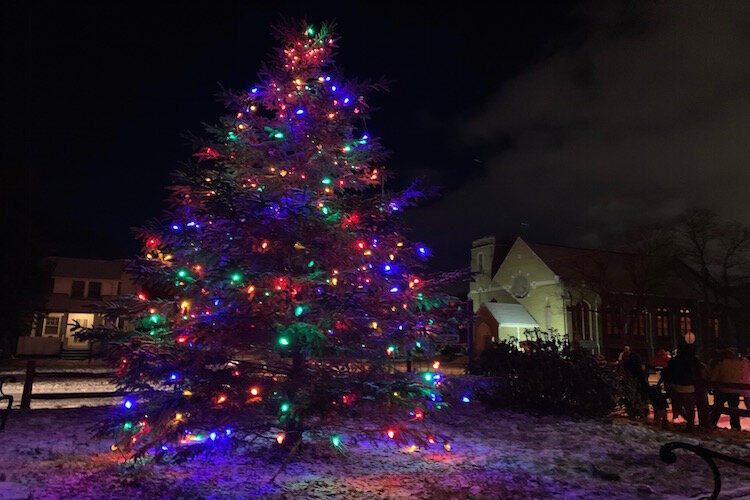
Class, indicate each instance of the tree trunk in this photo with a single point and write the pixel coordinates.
(294, 424)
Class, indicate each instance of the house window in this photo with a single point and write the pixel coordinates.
(662, 322)
(76, 290)
(480, 262)
(51, 326)
(612, 321)
(95, 289)
(685, 321)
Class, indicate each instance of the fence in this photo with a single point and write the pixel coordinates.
(32, 375)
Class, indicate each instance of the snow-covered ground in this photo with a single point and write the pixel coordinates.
(62, 385)
(49, 453)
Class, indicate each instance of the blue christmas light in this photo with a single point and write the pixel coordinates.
(128, 404)
(228, 432)
(300, 111)
(394, 289)
(387, 268)
(328, 78)
(346, 100)
(333, 88)
(212, 436)
(254, 90)
(164, 448)
(175, 227)
(465, 399)
(173, 376)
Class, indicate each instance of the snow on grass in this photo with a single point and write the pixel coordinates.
(495, 454)
(62, 385)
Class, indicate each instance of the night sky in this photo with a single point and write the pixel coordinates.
(563, 122)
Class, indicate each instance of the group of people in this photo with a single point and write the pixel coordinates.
(687, 381)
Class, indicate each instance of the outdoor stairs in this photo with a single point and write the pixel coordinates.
(76, 354)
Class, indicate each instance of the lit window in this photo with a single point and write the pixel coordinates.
(612, 321)
(685, 320)
(51, 325)
(662, 322)
(639, 323)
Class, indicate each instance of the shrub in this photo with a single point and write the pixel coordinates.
(549, 375)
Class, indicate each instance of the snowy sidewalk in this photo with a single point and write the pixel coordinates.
(49, 453)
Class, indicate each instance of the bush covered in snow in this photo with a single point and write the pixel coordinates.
(549, 375)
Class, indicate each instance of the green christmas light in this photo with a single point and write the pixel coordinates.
(284, 341)
(428, 376)
(127, 426)
(347, 149)
(311, 263)
(285, 408)
(154, 318)
(336, 441)
(232, 136)
(236, 277)
(326, 180)
(418, 344)
(278, 135)
(310, 31)
(298, 310)
(182, 273)
(324, 210)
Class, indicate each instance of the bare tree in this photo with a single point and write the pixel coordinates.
(718, 252)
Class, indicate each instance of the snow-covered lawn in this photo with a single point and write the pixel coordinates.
(49, 453)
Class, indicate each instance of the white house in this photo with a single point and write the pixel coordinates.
(76, 288)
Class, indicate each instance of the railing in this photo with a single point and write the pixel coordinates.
(666, 452)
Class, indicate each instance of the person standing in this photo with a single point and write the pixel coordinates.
(679, 378)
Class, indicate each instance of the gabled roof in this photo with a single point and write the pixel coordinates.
(511, 315)
(68, 267)
(606, 271)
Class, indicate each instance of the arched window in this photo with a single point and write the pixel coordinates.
(638, 322)
(580, 321)
(612, 320)
(662, 322)
(685, 321)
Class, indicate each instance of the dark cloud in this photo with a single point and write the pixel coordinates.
(642, 113)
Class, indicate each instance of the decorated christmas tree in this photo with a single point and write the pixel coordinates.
(278, 288)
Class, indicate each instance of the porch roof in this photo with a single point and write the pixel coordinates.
(511, 315)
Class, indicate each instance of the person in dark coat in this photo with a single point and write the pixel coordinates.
(679, 378)
(633, 365)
